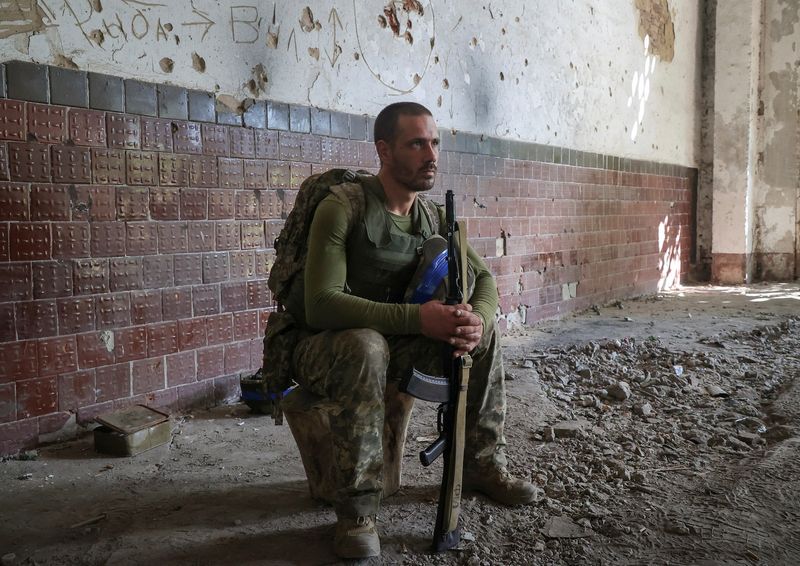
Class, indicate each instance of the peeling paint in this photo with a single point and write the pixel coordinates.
(107, 339)
(21, 16)
(790, 16)
(314, 52)
(307, 21)
(655, 21)
(64, 61)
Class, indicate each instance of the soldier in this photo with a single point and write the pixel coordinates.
(355, 279)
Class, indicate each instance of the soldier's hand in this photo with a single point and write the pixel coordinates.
(454, 324)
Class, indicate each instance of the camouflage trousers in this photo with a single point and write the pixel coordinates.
(350, 368)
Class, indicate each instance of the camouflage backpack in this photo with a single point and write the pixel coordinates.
(286, 326)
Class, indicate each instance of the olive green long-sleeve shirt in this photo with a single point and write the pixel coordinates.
(329, 307)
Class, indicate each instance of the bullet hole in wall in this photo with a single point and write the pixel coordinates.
(97, 36)
(445, 84)
(168, 26)
(166, 64)
(502, 76)
(198, 63)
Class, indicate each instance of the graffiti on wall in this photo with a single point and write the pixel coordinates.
(156, 35)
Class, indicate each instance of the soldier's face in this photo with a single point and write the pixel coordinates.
(411, 158)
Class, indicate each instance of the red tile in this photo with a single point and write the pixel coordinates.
(205, 300)
(142, 167)
(145, 306)
(46, 124)
(201, 236)
(156, 134)
(219, 329)
(50, 202)
(194, 204)
(19, 435)
(181, 368)
(174, 170)
(8, 403)
(299, 173)
(215, 267)
(133, 203)
(256, 353)
(265, 259)
(112, 311)
(266, 144)
(108, 166)
(123, 131)
(95, 349)
(76, 390)
(243, 265)
(177, 303)
(158, 271)
(53, 422)
(8, 329)
(12, 120)
(15, 201)
(57, 355)
(242, 142)
(29, 241)
(18, 360)
(291, 146)
(215, 140)
(258, 294)
(52, 279)
(279, 175)
(94, 203)
(108, 239)
(272, 231)
(288, 197)
(29, 162)
(166, 398)
(227, 236)
(75, 315)
(186, 137)
(90, 276)
(130, 344)
(263, 318)
(221, 204)
(71, 164)
(148, 375)
(164, 203)
(162, 338)
(71, 239)
(188, 269)
(36, 319)
(86, 415)
(113, 382)
(231, 174)
(15, 282)
(255, 174)
(203, 171)
(86, 127)
(36, 397)
(142, 238)
(5, 174)
(173, 237)
(233, 296)
(4, 253)
(237, 357)
(125, 274)
(191, 333)
(210, 362)
(247, 205)
(252, 235)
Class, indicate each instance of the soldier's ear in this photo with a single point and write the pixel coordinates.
(384, 151)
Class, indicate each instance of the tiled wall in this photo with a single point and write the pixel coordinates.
(136, 225)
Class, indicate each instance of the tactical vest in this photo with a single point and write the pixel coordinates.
(382, 258)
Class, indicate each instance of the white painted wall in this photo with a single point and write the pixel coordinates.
(568, 66)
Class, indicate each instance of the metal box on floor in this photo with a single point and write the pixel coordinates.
(131, 431)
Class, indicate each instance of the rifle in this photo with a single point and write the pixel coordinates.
(450, 390)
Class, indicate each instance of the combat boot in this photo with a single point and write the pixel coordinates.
(356, 537)
(500, 485)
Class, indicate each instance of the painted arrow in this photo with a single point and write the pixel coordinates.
(207, 23)
(333, 19)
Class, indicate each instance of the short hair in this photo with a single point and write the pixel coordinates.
(386, 123)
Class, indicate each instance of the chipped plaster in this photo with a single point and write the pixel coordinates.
(565, 74)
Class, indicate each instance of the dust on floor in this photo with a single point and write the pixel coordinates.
(659, 430)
